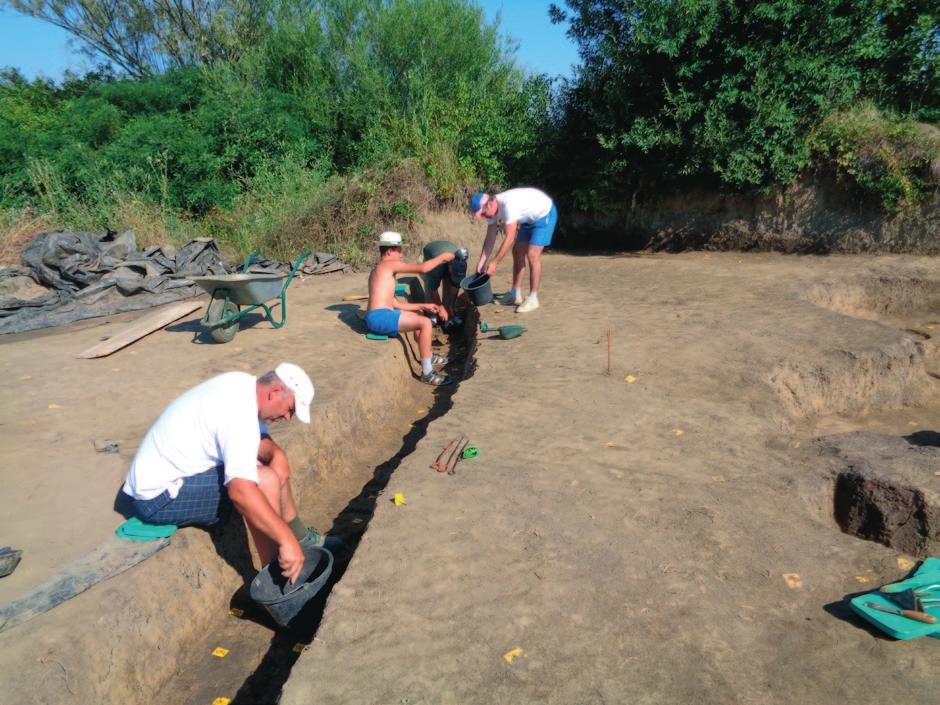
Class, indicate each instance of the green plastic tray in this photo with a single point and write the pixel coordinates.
(895, 625)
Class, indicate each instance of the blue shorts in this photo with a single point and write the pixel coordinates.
(199, 502)
(383, 321)
(540, 232)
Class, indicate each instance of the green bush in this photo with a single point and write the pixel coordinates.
(726, 93)
(884, 154)
(236, 148)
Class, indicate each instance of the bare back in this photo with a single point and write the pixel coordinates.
(382, 286)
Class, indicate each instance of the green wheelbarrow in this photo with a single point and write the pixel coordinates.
(229, 292)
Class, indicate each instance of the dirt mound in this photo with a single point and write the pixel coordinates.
(853, 381)
(878, 296)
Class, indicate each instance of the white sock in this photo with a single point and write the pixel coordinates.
(426, 366)
(534, 295)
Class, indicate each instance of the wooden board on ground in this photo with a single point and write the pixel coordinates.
(358, 297)
(142, 326)
(111, 558)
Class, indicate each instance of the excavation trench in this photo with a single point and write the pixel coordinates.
(884, 462)
(260, 655)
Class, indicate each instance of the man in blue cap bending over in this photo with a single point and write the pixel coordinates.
(211, 445)
(529, 217)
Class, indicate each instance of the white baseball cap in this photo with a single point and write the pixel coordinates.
(296, 380)
(389, 239)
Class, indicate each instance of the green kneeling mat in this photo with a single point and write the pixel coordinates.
(135, 530)
(375, 336)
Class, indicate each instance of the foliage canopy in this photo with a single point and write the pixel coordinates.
(727, 92)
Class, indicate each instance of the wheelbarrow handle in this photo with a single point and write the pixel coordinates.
(300, 259)
(251, 258)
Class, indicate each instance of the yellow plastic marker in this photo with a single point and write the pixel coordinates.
(718, 478)
(219, 651)
(863, 579)
(937, 473)
(221, 701)
(235, 612)
(905, 563)
(54, 406)
(115, 369)
(912, 423)
(399, 499)
(610, 444)
(795, 444)
(678, 431)
(931, 327)
(26, 377)
(793, 580)
(510, 655)
(298, 647)
(629, 379)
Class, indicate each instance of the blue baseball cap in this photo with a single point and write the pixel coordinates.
(477, 201)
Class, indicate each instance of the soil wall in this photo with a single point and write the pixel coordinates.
(819, 215)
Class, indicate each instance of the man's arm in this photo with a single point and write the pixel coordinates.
(508, 241)
(419, 308)
(488, 243)
(252, 504)
(423, 267)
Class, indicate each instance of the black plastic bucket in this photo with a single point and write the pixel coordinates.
(284, 601)
(478, 288)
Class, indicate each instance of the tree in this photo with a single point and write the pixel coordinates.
(147, 36)
(728, 91)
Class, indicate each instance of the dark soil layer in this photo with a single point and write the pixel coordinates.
(887, 489)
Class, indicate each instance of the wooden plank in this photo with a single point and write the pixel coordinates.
(111, 558)
(144, 325)
(356, 298)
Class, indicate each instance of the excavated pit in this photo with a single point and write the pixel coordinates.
(884, 362)
(877, 296)
(885, 489)
(882, 487)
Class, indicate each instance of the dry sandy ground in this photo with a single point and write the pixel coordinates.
(121, 640)
(629, 537)
(660, 535)
(128, 637)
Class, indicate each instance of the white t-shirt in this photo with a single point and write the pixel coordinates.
(214, 423)
(521, 205)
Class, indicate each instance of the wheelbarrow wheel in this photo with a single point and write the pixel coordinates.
(222, 334)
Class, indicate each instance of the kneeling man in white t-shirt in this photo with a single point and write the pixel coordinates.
(212, 442)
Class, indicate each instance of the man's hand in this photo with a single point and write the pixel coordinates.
(291, 559)
(491, 267)
(447, 256)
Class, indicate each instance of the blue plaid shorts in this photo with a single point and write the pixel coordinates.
(199, 502)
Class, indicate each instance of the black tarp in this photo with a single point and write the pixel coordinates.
(89, 274)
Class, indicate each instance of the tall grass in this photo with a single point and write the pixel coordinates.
(287, 207)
